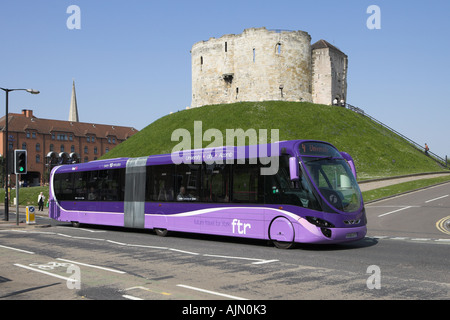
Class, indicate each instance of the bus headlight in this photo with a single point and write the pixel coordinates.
(319, 222)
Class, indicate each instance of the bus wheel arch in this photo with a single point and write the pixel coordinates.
(282, 233)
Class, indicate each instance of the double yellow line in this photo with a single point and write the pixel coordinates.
(440, 225)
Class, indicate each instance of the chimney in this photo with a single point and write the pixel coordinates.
(27, 113)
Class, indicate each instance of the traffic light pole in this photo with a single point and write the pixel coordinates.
(17, 199)
(6, 169)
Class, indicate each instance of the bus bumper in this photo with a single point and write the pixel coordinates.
(309, 233)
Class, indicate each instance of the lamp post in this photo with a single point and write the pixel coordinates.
(5, 168)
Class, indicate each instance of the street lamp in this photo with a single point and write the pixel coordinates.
(5, 168)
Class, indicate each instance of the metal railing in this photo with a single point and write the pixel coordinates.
(443, 162)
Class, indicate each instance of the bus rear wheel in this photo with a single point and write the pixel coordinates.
(75, 224)
(161, 232)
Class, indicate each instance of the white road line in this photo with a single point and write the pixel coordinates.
(390, 212)
(257, 261)
(182, 251)
(92, 266)
(15, 249)
(437, 198)
(126, 296)
(264, 261)
(45, 272)
(211, 292)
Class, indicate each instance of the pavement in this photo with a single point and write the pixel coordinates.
(12, 222)
(380, 183)
(364, 186)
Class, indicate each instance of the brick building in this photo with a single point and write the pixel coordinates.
(52, 142)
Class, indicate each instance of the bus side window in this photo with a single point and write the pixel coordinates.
(160, 183)
(247, 183)
(215, 183)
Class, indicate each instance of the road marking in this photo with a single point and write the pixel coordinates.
(15, 249)
(411, 239)
(45, 272)
(92, 266)
(182, 251)
(149, 290)
(440, 225)
(126, 296)
(390, 212)
(211, 292)
(437, 198)
(258, 261)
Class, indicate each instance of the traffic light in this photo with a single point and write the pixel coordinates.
(20, 161)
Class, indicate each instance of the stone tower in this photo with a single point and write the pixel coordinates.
(257, 65)
(73, 112)
(329, 73)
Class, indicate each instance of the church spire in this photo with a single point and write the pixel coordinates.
(73, 113)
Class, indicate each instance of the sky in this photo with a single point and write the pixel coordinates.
(131, 61)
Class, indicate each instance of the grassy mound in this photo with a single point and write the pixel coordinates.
(376, 151)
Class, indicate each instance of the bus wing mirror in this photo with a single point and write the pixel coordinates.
(350, 162)
(293, 169)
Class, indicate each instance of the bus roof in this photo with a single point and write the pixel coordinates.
(195, 156)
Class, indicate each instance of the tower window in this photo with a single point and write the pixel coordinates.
(278, 48)
(254, 54)
(226, 47)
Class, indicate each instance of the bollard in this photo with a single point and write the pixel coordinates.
(30, 215)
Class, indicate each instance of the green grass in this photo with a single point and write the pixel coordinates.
(401, 188)
(377, 152)
(27, 196)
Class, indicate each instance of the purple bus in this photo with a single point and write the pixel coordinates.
(299, 191)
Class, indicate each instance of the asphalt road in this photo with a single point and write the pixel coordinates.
(405, 255)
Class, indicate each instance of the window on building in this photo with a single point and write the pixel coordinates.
(33, 135)
(24, 146)
(62, 148)
(88, 139)
(38, 158)
(95, 150)
(86, 149)
(28, 134)
(72, 148)
(38, 147)
(278, 48)
(51, 147)
(254, 54)
(226, 46)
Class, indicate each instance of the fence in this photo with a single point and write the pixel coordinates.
(443, 162)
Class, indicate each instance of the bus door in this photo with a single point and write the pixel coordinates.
(135, 178)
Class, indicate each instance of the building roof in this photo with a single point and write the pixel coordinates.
(27, 121)
(322, 44)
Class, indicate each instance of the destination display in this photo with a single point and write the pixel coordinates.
(319, 149)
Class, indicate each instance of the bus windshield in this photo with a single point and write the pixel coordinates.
(331, 175)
